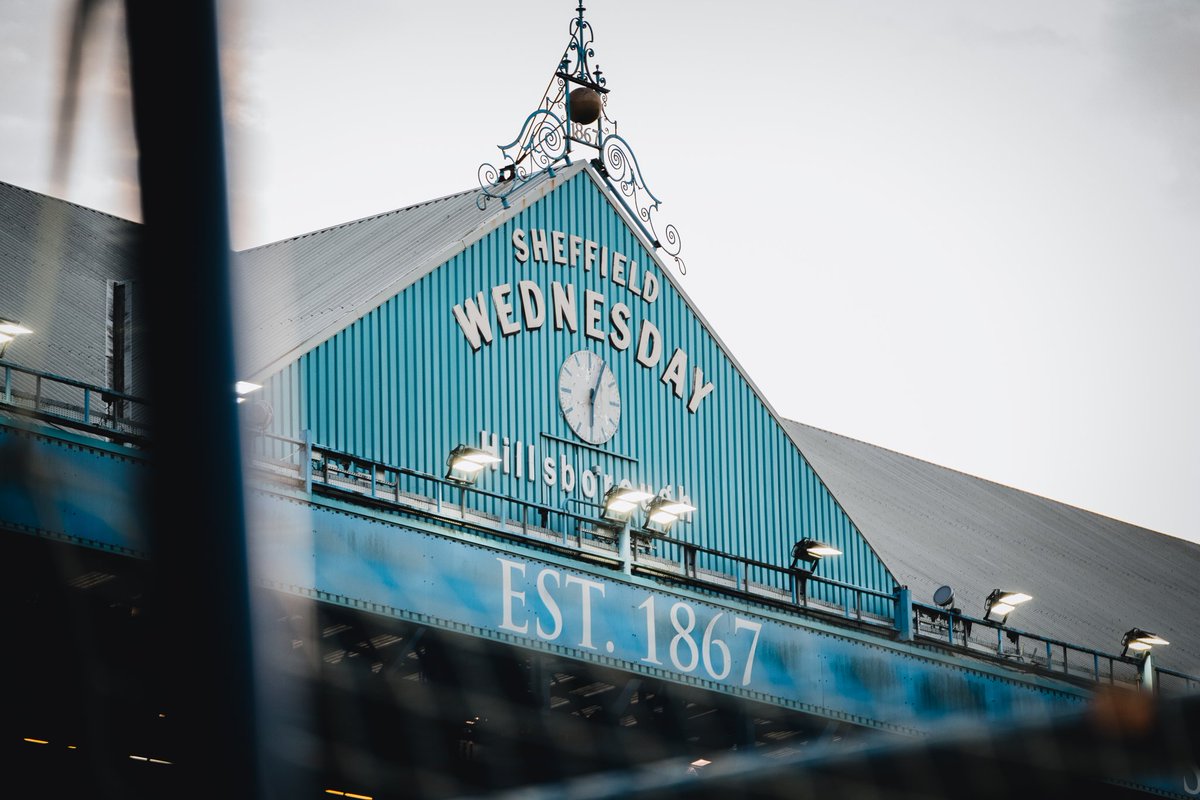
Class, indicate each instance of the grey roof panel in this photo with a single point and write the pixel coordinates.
(56, 259)
(294, 294)
(1092, 578)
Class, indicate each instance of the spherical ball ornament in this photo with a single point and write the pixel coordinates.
(586, 105)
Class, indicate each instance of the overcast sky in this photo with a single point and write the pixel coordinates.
(966, 232)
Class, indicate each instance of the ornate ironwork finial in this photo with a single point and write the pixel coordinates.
(578, 117)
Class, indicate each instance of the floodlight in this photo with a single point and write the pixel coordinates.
(1001, 603)
(944, 596)
(664, 512)
(244, 388)
(1140, 641)
(620, 502)
(465, 464)
(812, 551)
(10, 330)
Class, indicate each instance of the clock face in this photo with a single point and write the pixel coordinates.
(588, 394)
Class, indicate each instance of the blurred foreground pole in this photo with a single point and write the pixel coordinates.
(198, 543)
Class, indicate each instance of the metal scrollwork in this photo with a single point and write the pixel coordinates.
(540, 145)
(547, 135)
(621, 169)
(581, 47)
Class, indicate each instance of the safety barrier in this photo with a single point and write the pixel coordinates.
(587, 537)
(581, 534)
(101, 412)
(991, 638)
(122, 417)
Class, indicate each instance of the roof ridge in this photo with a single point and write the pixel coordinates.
(537, 177)
(427, 238)
(61, 201)
(360, 220)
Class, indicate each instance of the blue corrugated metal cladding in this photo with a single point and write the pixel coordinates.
(406, 383)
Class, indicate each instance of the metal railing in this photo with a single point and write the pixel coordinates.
(581, 534)
(1169, 681)
(753, 578)
(990, 638)
(121, 417)
(587, 537)
(95, 410)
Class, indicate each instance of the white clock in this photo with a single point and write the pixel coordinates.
(588, 395)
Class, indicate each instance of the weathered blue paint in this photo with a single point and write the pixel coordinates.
(73, 488)
(403, 386)
(904, 614)
(78, 489)
(330, 551)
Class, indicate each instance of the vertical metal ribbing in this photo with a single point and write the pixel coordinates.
(403, 386)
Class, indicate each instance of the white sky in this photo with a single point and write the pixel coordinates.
(966, 232)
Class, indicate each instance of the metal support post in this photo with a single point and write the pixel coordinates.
(306, 468)
(801, 580)
(625, 549)
(1147, 677)
(904, 614)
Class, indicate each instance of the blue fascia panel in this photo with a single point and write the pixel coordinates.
(72, 488)
(335, 553)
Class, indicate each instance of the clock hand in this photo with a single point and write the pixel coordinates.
(596, 392)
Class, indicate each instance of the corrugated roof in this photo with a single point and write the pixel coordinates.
(296, 293)
(1092, 578)
(56, 259)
